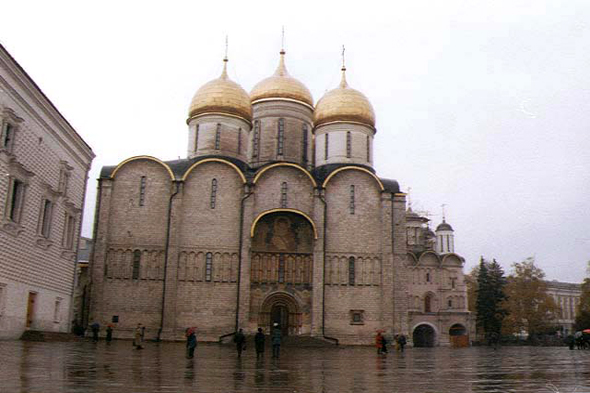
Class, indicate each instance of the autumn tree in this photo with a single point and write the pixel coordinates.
(490, 296)
(530, 308)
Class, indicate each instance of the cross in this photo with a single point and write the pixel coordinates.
(343, 49)
(409, 188)
(226, 46)
(443, 210)
(283, 39)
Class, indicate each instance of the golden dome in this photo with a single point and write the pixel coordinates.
(221, 95)
(344, 104)
(281, 85)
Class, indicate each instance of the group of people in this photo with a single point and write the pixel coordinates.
(579, 339)
(95, 328)
(381, 343)
(240, 342)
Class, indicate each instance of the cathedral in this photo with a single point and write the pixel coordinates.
(276, 215)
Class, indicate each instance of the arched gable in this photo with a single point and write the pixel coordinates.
(429, 258)
(264, 213)
(150, 158)
(452, 260)
(220, 160)
(412, 258)
(356, 168)
(288, 164)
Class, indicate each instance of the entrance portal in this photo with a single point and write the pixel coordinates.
(424, 336)
(283, 309)
(280, 315)
(458, 336)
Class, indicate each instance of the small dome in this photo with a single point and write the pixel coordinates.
(281, 85)
(344, 104)
(221, 95)
(444, 227)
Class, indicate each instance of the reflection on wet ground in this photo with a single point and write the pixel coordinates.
(89, 367)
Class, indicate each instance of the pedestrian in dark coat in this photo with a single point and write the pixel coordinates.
(240, 341)
(401, 339)
(276, 338)
(191, 342)
(95, 329)
(109, 337)
(259, 343)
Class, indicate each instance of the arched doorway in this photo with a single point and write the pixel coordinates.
(284, 309)
(458, 336)
(424, 336)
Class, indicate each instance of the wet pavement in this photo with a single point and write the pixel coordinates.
(88, 367)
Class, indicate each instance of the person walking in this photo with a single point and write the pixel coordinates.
(191, 342)
(240, 341)
(109, 337)
(276, 338)
(379, 343)
(401, 340)
(259, 340)
(95, 329)
(138, 337)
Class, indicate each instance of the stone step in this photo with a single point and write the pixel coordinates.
(37, 335)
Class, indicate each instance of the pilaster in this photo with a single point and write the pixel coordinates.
(319, 209)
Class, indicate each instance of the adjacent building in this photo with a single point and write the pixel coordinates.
(44, 166)
(276, 215)
(567, 297)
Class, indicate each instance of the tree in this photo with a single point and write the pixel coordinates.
(490, 295)
(530, 308)
(583, 309)
(471, 284)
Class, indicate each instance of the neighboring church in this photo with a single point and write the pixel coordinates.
(276, 215)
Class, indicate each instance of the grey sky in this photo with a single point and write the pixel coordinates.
(481, 105)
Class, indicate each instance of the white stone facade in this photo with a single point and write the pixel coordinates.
(567, 297)
(44, 166)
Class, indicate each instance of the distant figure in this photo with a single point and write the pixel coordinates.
(379, 343)
(191, 342)
(276, 338)
(240, 341)
(259, 343)
(402, 341)
(109, 337)
(384, 346)
(494, 340)
(95, 329)
(570, 341)
(138, 337)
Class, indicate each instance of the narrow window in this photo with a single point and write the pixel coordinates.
(368, 148)
(448, 244)
(348, 144)
(69, 232)
(351, 271)
(218, 137)
(56, 310)
(239, 141)
(46, 218)
(453, 283)
(7, 136)
(427, 277)
(351, 206)
(208, 266)
(63, 181)
(136, 263)
(142, 183)
(16, 200)
(256, 139)
(326, 147)
(213, 193)
(450, 303)
(281, 137)
(281, 268)
(196, 138)
(284, 195)
(305, 144)
(427, 303)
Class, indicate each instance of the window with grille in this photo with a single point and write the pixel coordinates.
(218, 137)
(326, 147)
(351, 271)
(305, 144)
(351, 204)
(281, 268)
(208, 266)
(142, 184)
(136, 264)
(348, 144)
(284, 194)
(213, 193)
(46, 214)
(256, 139)
(281, 137)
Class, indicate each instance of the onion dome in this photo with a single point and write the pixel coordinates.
(281, 85)
(344, 104)
(221, 96)
(444, 227)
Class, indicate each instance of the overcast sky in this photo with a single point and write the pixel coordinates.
(481, 105)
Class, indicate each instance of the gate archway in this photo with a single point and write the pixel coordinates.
(458, 336)
(424, 336)
(281, 308)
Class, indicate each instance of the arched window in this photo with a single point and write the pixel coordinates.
(218, 137)
(256, 139)
(239, 141)
(351, 205)
(428, 303)
(327, 140)
(284, 195)
(428, 277)
(368, 148)
(213, 193)
(208, 266)
(348, 144)
(280, 137)
(450, 303)
(305, 144)
(136, 263)
(196, 138)
(281, 268)
(351, 271)
(142, 182)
